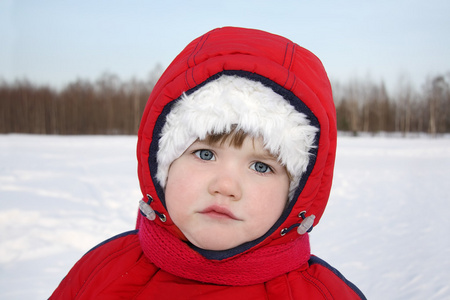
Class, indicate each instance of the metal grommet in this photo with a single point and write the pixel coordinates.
(283, 231)
(302, 214)
(162, 217)
(150, 199)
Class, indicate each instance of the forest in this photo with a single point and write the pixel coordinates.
(110, 105)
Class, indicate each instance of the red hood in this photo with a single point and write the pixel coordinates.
(290, 70)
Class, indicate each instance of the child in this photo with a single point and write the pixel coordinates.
(236, 153)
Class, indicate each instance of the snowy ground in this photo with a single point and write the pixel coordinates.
(385, 227)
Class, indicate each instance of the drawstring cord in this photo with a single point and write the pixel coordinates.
(305, 226)
(148, 212)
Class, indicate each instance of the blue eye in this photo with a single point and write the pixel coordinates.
(260, 167)
(205, 154)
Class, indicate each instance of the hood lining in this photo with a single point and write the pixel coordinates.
(289, 97)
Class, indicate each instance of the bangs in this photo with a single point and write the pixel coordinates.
(234, 138)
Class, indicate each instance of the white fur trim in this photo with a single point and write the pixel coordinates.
(253, 107)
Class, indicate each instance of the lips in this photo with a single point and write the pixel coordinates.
(218, 212)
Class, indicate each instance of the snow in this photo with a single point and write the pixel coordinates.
(385, 227)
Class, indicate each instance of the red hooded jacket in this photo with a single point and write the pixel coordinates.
(154, 261)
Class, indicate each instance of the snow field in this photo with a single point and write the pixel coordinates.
(385, 228)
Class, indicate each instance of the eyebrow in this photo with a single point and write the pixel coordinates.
(266, 155)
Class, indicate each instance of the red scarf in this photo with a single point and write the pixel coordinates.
(255, 266)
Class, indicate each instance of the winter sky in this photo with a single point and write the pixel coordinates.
(55, 42)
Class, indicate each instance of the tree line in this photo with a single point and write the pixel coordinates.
(364, 106)
(106, 106)
(112, 106)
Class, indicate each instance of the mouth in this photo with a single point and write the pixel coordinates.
(218, 212)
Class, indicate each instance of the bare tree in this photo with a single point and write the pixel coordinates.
(437, 97)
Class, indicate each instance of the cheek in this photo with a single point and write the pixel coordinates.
(268, 203)
(170, 197)
(173, 191)
(180, 192)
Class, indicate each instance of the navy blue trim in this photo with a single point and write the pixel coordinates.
(316, 260)
(123, 234)
(154, 147)
(288, 96)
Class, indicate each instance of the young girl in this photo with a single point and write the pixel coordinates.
(236, 153)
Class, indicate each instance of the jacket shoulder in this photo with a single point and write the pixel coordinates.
(331, 281)
(101, 267)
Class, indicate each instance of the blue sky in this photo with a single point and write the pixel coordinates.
(55, 42)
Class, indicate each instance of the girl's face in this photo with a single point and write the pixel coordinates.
(221, 196)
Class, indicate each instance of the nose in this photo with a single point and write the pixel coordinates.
(226, 183)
